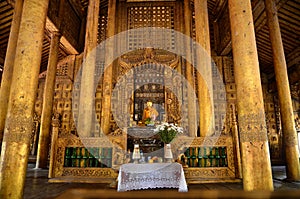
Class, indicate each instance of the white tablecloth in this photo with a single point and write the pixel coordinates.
(155, 175)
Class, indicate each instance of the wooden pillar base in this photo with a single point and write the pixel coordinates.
(292, 166)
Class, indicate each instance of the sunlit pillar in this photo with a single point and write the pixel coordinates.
(204, 75)
(55, 129)
(19, 120)
(192, 125)
(108, 73)
(286, 109)
(9, 64)
(44, 137)
(87, 84)
(256, 165)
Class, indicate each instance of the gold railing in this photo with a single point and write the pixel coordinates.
(88, 157)
(205, 157)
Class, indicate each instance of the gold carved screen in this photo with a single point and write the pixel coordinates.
(148, 15)
(156, 15)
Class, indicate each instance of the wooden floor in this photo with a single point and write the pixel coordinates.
(38, 187)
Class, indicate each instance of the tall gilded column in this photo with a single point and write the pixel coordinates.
(43, 146)
(286, 108)
(9, 64)
(189, 71)
(87, 92)
(256, 165)
(19, 120)
(55, 123)
(204, 77)
(108, 73)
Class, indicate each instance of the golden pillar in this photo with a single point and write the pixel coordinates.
(108, 73)
(192, 119)
(43, 146)
(55, 129)
(9, 64)
(286, 108)
(204, 75)
(19, 120)
(236, 143)
(87, 84)
(255, 155)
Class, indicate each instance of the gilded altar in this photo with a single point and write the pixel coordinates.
(146, 138)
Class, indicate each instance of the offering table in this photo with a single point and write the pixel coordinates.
(151, 175)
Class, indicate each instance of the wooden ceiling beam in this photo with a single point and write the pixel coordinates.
(4, 34)
(5, 9)
(290, 24)
(261, 21)
(219, 8)
(266, 61)
(3, 3)
(5, 28)
(68, 46)
(293, 57)
(288, 42)
(294, 4)
(265, 55)
(290, 34)
(261, 42)
(11, 2)
(289, 19)
(3, 42)
(8, 14)
(77, 7)
(289, 10)
(258, 9)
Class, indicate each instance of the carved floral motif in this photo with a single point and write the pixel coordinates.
(252, 127)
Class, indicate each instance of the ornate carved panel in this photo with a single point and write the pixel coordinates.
(102, 25)
(192, 173)
(147, 73)
(273, 122)
(67, 140)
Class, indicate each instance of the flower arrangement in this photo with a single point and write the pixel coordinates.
(149, 121)
(168, 132)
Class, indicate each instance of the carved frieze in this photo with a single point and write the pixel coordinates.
(90, 172)
(208, 173)
(20, 130)
(290, 140)
(295, 91)
(148, 55)
(252, 127)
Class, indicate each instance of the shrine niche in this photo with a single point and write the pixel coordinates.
(148, 86)
(148, 76)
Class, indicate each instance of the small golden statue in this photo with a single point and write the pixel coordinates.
(149, 114)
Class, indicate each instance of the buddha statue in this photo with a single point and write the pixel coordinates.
(149, 113)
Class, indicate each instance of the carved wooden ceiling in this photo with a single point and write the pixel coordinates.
(288, 13)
